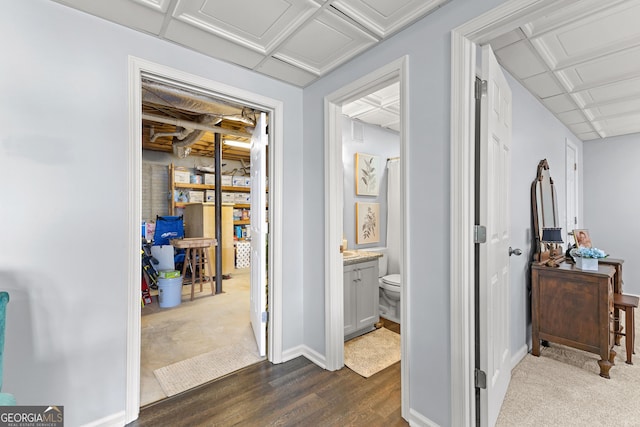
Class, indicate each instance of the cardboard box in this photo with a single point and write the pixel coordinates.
(228, 197)
(181, 176)
(227, 180)
(242, 198)
(210, 196)
(242, 181)
(196, 196)
(210, 179)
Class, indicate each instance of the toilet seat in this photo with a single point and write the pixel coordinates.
(391, 282)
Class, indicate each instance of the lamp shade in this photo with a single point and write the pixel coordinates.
(552, 235)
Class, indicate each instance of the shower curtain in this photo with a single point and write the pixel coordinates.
(393, 216)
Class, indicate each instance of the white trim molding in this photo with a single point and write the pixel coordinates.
(334, 311)
(137, 69)
(464, 40)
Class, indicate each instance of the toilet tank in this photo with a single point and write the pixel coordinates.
(382, 261)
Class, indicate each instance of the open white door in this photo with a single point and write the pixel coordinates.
(495, 171)
(259, 234)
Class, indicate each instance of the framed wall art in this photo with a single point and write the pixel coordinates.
(367, 174)
(367, 223)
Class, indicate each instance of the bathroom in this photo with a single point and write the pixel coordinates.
(367, 194)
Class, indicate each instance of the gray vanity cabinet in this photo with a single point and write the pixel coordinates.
(361, 311)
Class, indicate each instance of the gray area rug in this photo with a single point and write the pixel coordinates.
(189, 373)
(372, 352)
(562, 388)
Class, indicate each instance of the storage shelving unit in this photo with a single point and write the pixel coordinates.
(173, 185)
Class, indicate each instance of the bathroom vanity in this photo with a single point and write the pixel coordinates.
(360, 286)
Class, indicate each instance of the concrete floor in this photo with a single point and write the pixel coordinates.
(192, 328)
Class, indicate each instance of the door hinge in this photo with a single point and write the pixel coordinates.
(479, 234)
(265, 316)
(575, 166)
(481, 89)
(480, 379)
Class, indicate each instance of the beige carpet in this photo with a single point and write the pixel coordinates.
(189, 373)
(562, 388)
(372, 352)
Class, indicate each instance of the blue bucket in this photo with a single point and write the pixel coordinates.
(169, 292)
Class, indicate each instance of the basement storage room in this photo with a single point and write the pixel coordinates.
(198, 197)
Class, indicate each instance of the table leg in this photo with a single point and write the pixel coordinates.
(605, 366)
(629, 342)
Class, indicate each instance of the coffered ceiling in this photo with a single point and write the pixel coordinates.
(583, 63)
(296, 41)
(381, 108)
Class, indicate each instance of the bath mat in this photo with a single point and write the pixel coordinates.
(189, 373)
(372, 352)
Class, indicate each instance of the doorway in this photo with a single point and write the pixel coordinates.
(464, 42)
(180, 339)
(573, 188)
(334, 183)
(137, 70)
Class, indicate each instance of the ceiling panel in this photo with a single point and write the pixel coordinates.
(615, 108)
(138, 15)
(256, 25)
(597, 34)
(282, 70)
(521, 60)
(210, 44)
(544, 85)
(385, 17)
(572, 117)
(324, 43)
(611, 92)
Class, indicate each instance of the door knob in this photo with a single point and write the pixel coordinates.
(516, 251)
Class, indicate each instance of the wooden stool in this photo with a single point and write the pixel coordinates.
(196, 256)
(627, 303)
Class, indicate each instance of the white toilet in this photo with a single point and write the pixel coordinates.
(389, 289)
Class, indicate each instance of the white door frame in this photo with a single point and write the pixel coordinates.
(137, 68)
(464, 40)
(334, 310)
(570, 145)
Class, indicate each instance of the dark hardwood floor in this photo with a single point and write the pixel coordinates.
(295, 393)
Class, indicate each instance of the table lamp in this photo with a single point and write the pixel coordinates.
(552, 236)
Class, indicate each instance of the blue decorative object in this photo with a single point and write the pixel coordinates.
(6, 399)
(583, 252)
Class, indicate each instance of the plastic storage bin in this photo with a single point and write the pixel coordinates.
(169, 292)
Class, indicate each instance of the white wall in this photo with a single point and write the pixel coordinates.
(377, 141)
(427, 43)
(64, 150)
(537, 135)
(611, 202)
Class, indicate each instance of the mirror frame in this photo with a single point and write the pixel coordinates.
(543, 251)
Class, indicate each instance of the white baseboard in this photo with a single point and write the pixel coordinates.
(416, 419)
(519, 355)
(303, 350)
(115, 420)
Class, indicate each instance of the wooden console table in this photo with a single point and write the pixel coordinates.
(574, 307)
